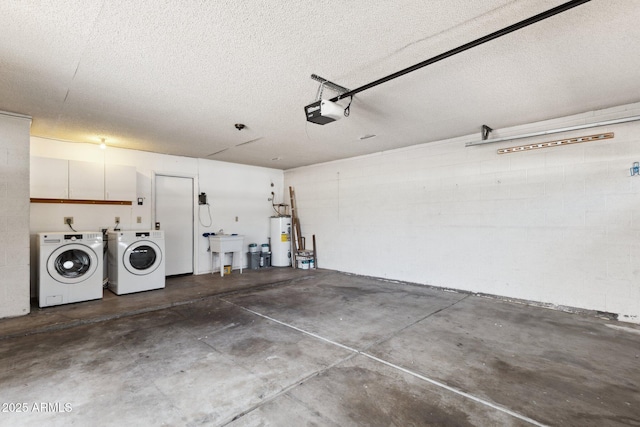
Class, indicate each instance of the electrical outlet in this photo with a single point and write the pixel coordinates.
(68, 220)
(117, 219)
(139, 220)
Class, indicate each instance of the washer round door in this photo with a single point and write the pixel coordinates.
(142, 257)
(72, 263)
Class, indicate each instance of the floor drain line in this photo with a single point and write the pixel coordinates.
(311, 334)
(400, 368)
(284, 391)
(456, 391)
(391, 335)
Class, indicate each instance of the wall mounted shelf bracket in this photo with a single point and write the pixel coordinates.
(486, 130)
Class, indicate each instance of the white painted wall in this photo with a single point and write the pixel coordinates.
(14, 215)
(558, 225)
(232, 190)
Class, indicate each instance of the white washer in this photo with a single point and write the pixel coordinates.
(69, 267)
(135, 261)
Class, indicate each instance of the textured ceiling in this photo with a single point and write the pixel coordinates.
(174, 76)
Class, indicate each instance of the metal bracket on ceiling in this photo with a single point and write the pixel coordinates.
(486, 130)
(328, 84)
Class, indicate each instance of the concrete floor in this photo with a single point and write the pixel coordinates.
(284, 347)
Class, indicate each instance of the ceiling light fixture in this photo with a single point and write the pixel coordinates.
(103, 146)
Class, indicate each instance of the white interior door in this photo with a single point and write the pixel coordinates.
(174, 212)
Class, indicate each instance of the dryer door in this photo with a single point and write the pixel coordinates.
(142, 257)
(72, 263)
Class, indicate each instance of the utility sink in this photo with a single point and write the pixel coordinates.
(223, 243)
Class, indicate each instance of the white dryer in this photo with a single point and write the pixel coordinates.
(136, 261)
(69, 267)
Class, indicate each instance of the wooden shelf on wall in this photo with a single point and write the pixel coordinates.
(82, 202)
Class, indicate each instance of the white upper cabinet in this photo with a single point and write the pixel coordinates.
(74, 179)
(49, 178)
(120, 182)
(86, 180)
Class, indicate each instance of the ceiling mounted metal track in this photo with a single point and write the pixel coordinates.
(511, 28)
(329, 84)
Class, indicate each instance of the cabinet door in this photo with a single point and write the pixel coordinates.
(120, 182)
(49, 178)
(86, 180)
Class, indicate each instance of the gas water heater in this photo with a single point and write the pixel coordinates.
(280, 241)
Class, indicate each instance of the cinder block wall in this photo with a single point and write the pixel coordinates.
(557, 225)
(14, 215)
